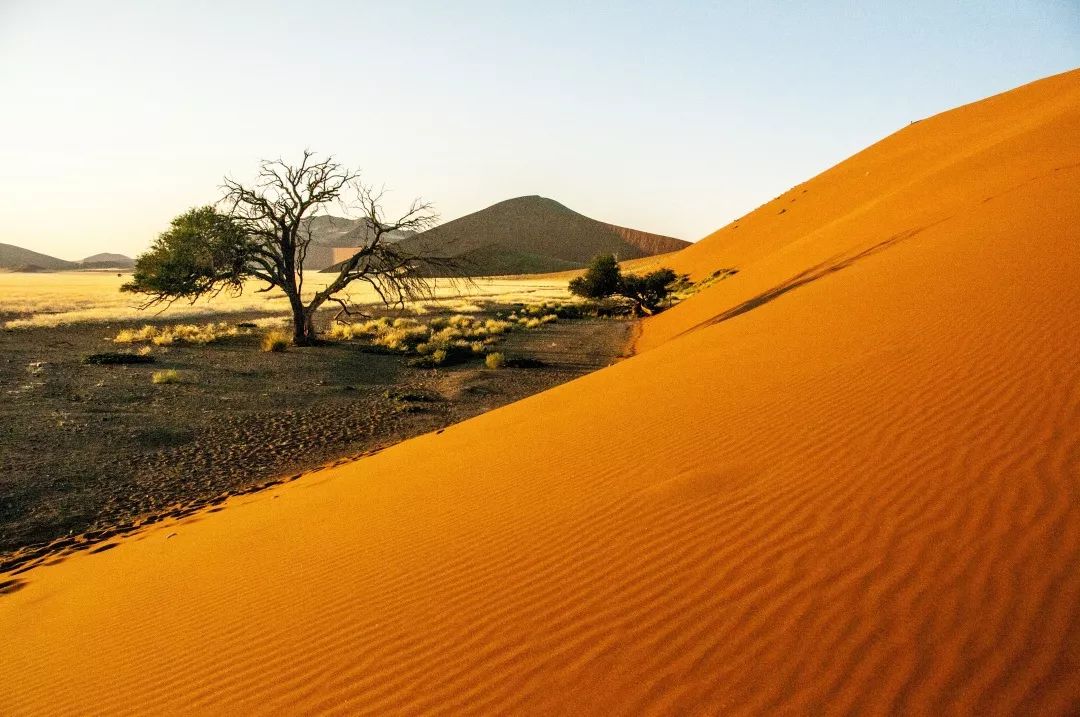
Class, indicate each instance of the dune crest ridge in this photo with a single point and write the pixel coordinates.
(844, 481)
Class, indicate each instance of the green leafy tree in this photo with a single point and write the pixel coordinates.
(647, 291)
(600, 280)
(604, 278)
(262, 232)
(203, 252)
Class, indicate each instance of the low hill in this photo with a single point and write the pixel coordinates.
(15, 258)
(107, 261)
(845, 480)
(535, 232)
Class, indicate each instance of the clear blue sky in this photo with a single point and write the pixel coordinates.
(668, 117)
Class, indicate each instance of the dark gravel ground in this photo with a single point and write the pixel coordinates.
(90, 450)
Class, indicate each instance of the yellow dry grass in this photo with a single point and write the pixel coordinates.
(62, 298)
(179, 334)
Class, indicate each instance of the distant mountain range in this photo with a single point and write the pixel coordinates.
(14, 258)
(531, 235)
(526, 235)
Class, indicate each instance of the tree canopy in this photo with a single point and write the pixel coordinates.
(202, 252)
(604, 278)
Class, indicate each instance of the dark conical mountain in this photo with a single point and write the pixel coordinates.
(533, 235)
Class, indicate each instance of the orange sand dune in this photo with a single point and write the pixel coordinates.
(844, 481)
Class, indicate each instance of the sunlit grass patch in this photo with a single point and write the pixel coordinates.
(167, 376)
(275, 341)
(194, 334)
(64, 298)
(459, 335)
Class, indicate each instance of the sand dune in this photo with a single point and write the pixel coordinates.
(843, 481)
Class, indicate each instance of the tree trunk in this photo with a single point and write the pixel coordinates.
(303, 326)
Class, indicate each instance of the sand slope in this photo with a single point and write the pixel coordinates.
(844, 481)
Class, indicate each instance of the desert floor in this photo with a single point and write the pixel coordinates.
(88, 451)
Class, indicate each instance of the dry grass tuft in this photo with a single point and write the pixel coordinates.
(275, 341)
(167, 376)
(457, 335)
(179, 334)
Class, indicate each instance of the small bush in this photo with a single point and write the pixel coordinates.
(494, 360)
(432, 360)
(168, 376)
(340, 332)
(403, 338)
(275, 341)
(495, 327)
(133, 336)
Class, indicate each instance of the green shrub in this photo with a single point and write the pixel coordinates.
(494, 360)
(604, 278)
(601, 279)
(649, 290)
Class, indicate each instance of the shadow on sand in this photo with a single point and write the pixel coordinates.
(808, 276)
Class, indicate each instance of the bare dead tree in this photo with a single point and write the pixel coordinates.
(264, 230)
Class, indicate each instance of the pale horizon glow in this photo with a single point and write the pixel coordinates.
(119, 115)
